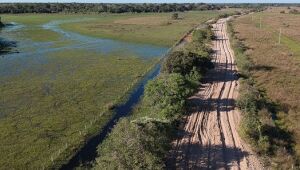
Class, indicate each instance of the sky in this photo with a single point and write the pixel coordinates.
(160, 1)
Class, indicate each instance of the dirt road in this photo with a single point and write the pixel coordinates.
(209, 138)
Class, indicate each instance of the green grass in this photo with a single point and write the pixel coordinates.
(293, 45)
(38, 19)
(43, 112)
(33, 25)
(40, 35)
(157, 29)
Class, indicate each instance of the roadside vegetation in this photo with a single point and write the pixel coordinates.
(269, 93)
(142, 140)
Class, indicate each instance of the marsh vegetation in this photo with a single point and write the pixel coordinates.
(61, 86)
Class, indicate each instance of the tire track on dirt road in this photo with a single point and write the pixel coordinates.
(209, 138)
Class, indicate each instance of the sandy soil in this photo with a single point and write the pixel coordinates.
(209, 138)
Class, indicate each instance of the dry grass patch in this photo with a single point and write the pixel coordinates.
(276, 66)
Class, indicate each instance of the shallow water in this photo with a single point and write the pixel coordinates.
(31, 54)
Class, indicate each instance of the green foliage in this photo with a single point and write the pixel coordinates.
(167, 93)
(239, 48)
(102, 7)
(184, 62)
(132, 146)
(194, 77)
(203, 35)
(248, 99)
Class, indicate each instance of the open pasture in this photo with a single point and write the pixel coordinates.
(276, 63)
(153, 28)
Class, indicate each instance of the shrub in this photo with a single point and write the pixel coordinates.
(166, 94)
(184, 62)
(129, 146)
(203, 35)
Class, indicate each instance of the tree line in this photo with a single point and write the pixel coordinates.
(102, 7)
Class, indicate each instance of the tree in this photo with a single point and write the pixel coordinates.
(166, 95)
(183, 63)
(133, 146)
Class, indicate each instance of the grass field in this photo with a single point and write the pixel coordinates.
(156, 28)
(276, 66)
(49, 110)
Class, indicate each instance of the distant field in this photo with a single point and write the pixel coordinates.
(276, 66)
(47, 110)
(150, 28)
(155, 28)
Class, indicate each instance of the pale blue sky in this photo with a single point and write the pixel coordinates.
(161, 1)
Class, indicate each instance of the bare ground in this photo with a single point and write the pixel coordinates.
(209, 138)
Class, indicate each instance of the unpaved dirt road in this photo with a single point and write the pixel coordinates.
(209, 138)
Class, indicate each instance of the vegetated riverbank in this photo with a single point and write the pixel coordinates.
(85, 155)
(62, 97)
(143, 140)
(55, 96)
(264, 124)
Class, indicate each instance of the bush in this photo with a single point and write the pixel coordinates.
(203, 35)
(248, 101)
(132, 146)
(166, 94)
(184, 62)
